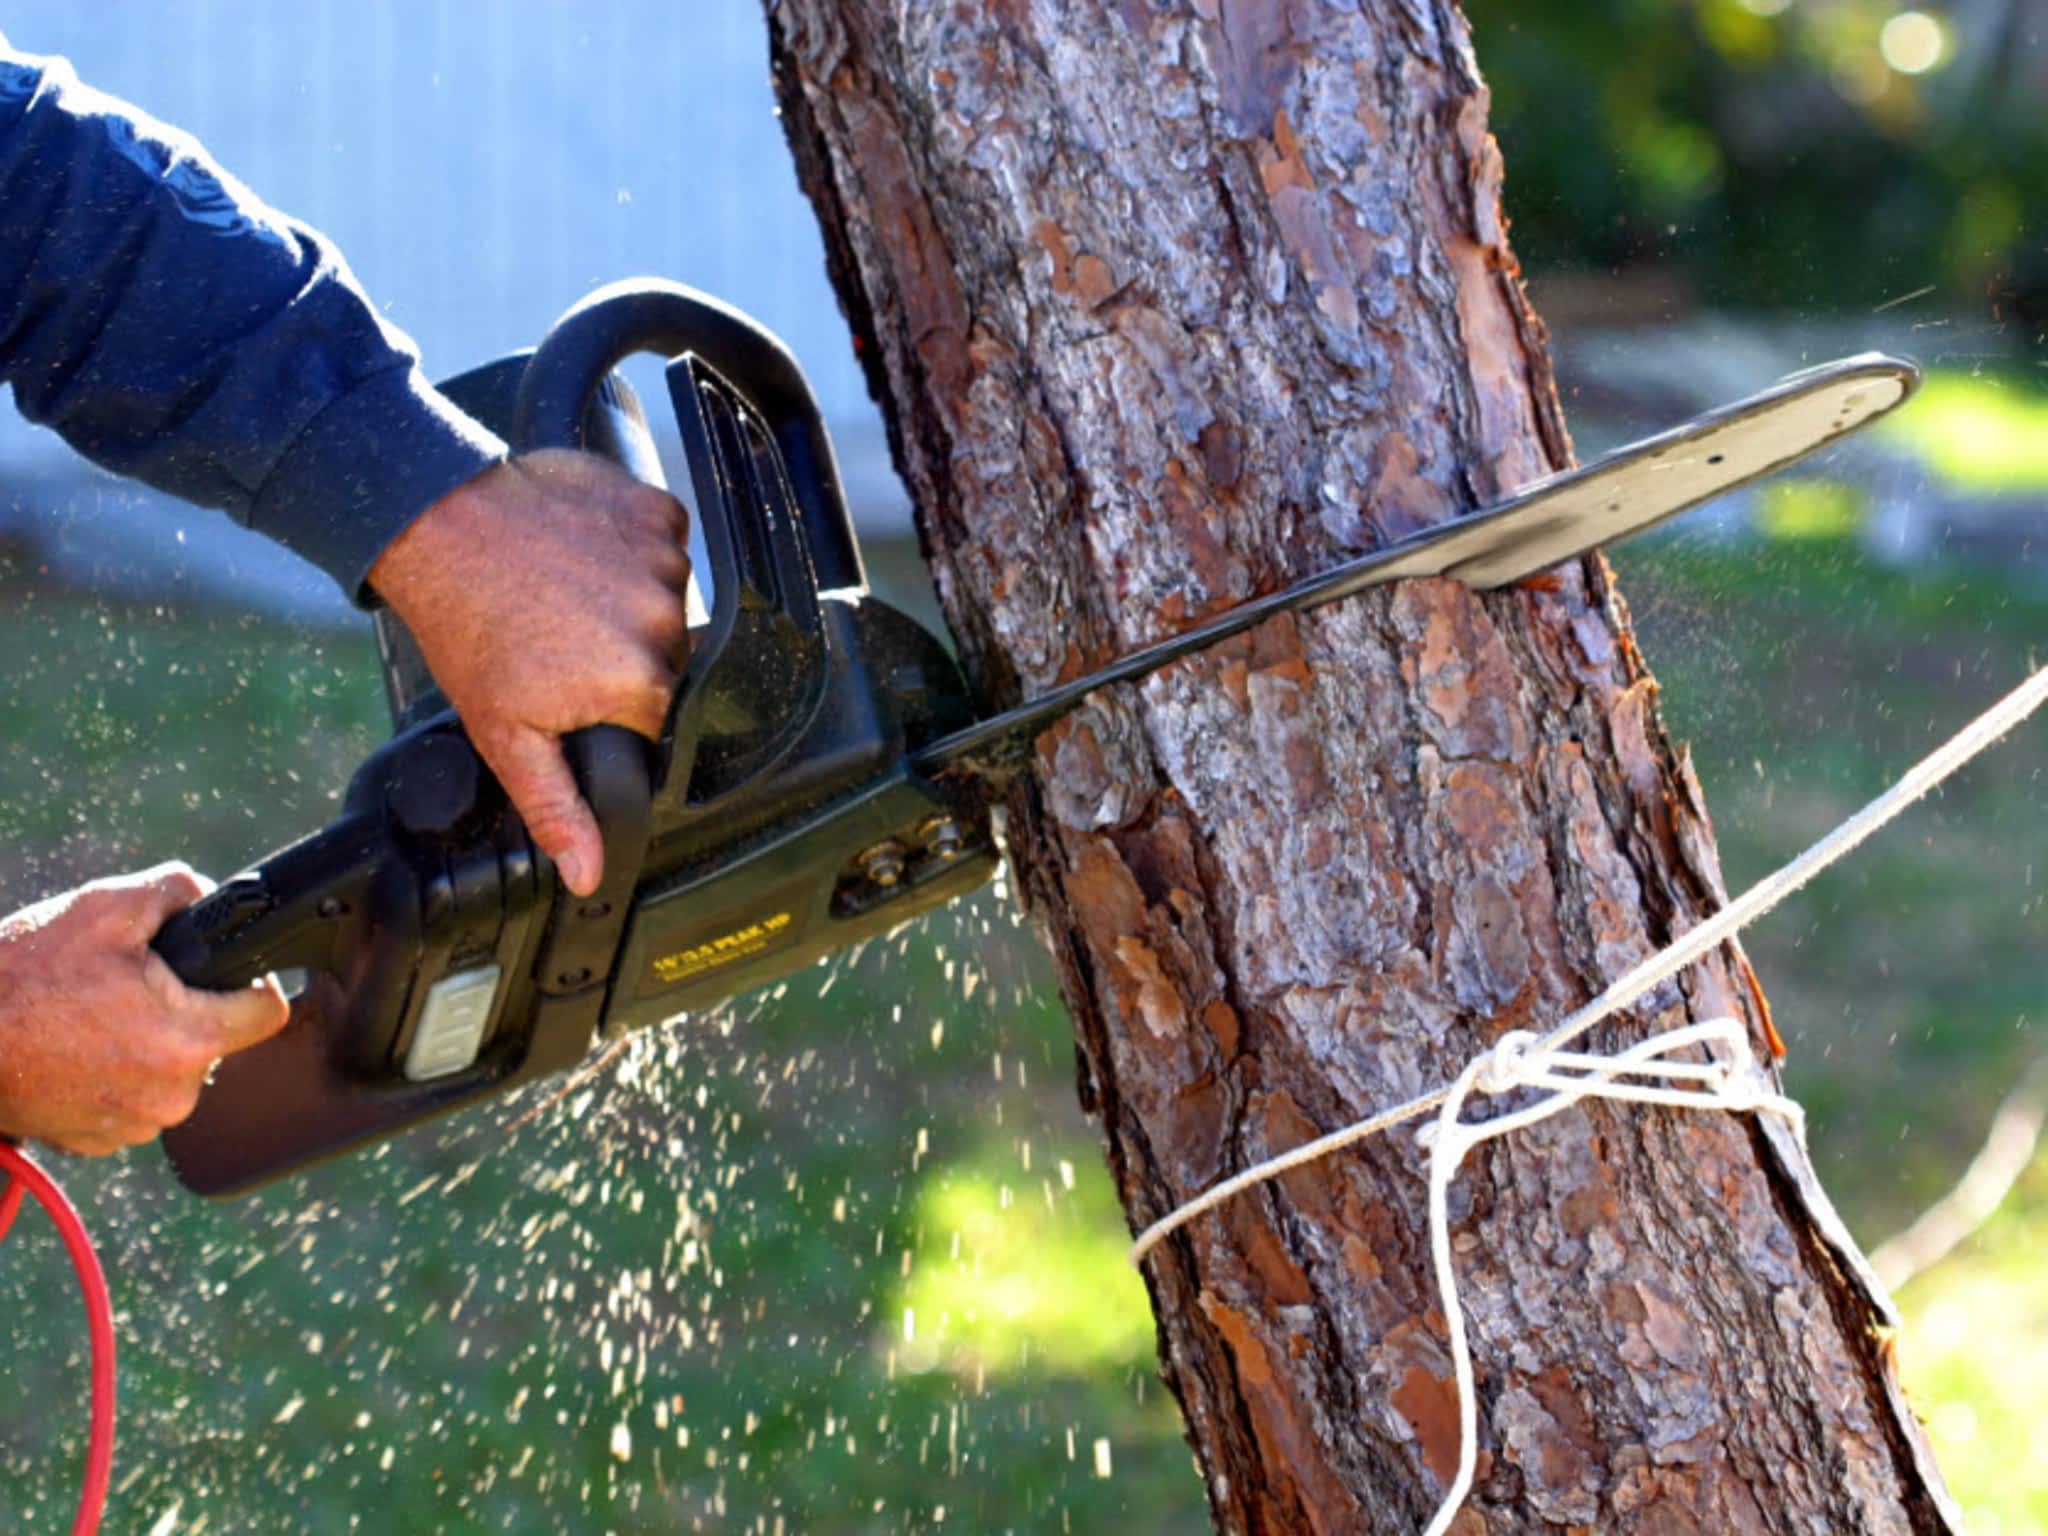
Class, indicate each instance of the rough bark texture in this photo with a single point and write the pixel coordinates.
(1169, 301)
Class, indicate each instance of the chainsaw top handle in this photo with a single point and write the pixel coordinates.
(655, 315)
(777, 533)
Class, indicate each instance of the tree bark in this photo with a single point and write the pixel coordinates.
(1169, 302)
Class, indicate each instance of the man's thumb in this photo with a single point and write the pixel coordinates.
(529, 763)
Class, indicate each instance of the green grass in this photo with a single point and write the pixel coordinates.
(1807, 679)
(715, 1248)
(135, 728)
(1975, 1351)
(1009, 1270)
(1807, 507)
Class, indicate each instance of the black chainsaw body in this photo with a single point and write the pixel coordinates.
(776, 821)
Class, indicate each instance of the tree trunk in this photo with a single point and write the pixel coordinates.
(1169, 302)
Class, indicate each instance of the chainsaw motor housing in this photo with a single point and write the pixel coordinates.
(776, 821)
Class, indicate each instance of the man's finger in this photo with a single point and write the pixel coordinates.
(87, 1145)
(669, 564)
(640, 699)
(244, 1017)
(217, 1022)
(660, 509)
(536, 776)
(154, 895)
(660, 617)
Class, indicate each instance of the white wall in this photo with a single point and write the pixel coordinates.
(483, 163)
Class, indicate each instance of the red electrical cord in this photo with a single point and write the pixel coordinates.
(99, 1311)
(10, 1203)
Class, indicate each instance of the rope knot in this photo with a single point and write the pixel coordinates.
(1740, 1083)
(1509, 1064)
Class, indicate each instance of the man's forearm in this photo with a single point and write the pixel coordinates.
(172, 328)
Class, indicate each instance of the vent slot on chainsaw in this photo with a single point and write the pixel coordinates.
(764, 670)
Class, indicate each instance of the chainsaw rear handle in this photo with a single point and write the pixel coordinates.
(356, 879)
(288, 913)
(655, 315)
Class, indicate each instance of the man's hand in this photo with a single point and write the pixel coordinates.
(547, 595)
(101, 1046)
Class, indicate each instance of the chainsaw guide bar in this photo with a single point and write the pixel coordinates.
(1555, 519)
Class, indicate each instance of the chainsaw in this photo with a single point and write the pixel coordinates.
(823, 774)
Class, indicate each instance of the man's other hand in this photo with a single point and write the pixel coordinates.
(101, 1046)
(547, 595)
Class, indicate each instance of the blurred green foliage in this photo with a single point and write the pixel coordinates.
(1979, 432)
(1816, 154)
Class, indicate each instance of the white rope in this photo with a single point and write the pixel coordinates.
(1520, 1060)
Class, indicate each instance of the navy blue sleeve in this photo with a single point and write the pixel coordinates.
(174, 329)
